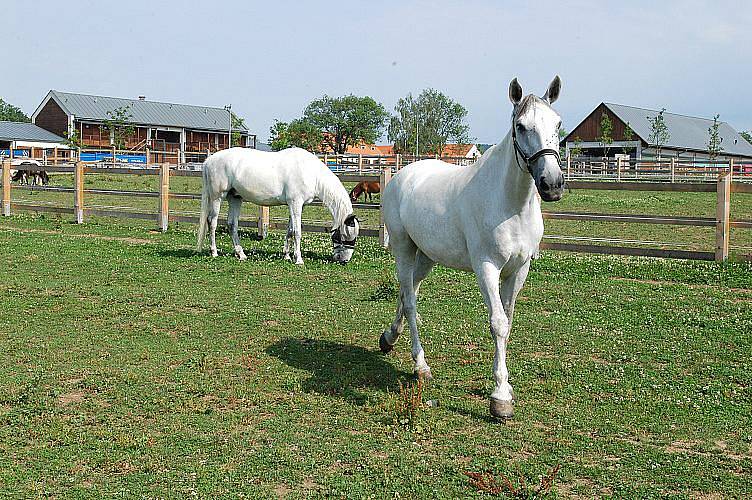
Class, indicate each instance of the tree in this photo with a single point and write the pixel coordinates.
(562, 134)
(11, 113)
(606, 138)
(747, 136)
(73, 139)
(714, 139)
(439, 120)
(119, 126)
(576, 149)
(659, 134)
(297, 133)
(237, 124)
(628, 137)
(345, 121)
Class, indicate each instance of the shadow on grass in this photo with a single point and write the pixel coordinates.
(338, 369)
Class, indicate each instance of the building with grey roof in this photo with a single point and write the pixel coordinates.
(161, 131)
(688, 136)
(29, 140)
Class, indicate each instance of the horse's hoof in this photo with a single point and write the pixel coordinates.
(242, 258)
(287, 257)
(299, 263)
(424, 375)
(385, 346)
(502, 409)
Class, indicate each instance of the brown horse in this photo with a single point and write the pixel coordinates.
(367, 187)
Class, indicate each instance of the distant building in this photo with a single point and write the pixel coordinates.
(688, 135)
(192, 132)
(29, 140)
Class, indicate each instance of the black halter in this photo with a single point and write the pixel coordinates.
(530, 159)
(337, 240)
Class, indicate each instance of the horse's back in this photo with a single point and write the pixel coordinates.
(263, 177)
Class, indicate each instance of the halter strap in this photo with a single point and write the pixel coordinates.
(530, 159)
(337, 240)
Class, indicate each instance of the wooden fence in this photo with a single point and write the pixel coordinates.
(723, 186)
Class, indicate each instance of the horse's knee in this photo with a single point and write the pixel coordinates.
(499, 327)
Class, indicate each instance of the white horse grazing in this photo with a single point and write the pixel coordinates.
(293, 177)
(485, 217)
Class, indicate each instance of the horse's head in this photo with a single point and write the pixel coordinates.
(343, 239)
(354, 194)
(535, 136)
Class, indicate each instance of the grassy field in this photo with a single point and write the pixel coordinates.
(132, 366)
(613, 202)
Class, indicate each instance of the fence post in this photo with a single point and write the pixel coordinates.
(569, 166)
(618, 169)
(722, 214)
(113, 155)
(360, 164)
(386, 176)
(78, 192)
(6, 188)
(673, 169)
(398, 162)
(164, 196)
(263, 222)
(326, 160)
(731, 169)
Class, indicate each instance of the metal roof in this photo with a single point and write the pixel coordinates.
(144, 112)
(687, 132)
(22, 131)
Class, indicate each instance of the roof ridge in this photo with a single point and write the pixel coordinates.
(138, 100)
(665, 112)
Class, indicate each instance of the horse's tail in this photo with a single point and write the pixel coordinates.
(202, 221)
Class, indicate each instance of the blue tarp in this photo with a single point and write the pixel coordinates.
(102, 156)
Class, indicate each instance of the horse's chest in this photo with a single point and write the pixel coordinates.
(515, 237)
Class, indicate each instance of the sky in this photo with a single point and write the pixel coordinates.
(270, 59)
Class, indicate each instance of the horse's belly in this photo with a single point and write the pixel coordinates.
(442, 241)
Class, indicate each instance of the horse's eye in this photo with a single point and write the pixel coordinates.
(521, 128)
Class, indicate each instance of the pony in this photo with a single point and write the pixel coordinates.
(485, 218)
(37, 177)
(368, 187)
(292, 177)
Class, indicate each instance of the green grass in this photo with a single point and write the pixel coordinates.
(129, 365)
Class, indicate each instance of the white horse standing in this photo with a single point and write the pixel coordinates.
(485, 217)
(292, 177)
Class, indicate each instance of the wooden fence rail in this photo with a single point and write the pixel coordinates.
(723, 187)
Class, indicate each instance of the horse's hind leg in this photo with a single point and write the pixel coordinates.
(423, 266)
(296, 217)
(288, 237)
(214, 207)
(233, 219)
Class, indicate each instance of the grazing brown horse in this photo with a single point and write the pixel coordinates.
(367, 187)
(31, 177)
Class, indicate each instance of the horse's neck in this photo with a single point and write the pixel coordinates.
(509, 181)
(334, 197)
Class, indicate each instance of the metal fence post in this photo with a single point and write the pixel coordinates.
(164, 196)
(722, 211)
(386, 176)
(78, 192)
(360, 164)
(6, 187)
(673, 169)
(263, 221)
(618, 169)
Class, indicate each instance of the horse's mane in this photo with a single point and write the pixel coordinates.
(333, 195)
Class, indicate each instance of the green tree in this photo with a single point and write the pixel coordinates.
(345, 121)
(11, 113)
(607, 129)
(439, 120)
(714, 139)
(628, 137)
(576, 149)
(73, 139)
(298, 133)
(237, 124)
(747, 136)
(659, 134)
(562, 149)
(119, 126)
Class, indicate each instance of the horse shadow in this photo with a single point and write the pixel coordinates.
(338, 369)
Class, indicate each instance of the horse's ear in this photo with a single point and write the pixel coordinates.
(515, 92)
(350, 220)
(553, 90)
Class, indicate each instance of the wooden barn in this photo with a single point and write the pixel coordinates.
(688, 136)
(161, 131)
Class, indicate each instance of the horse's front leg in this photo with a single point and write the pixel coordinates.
(502, 404)
(296, 217)
(213, 217)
